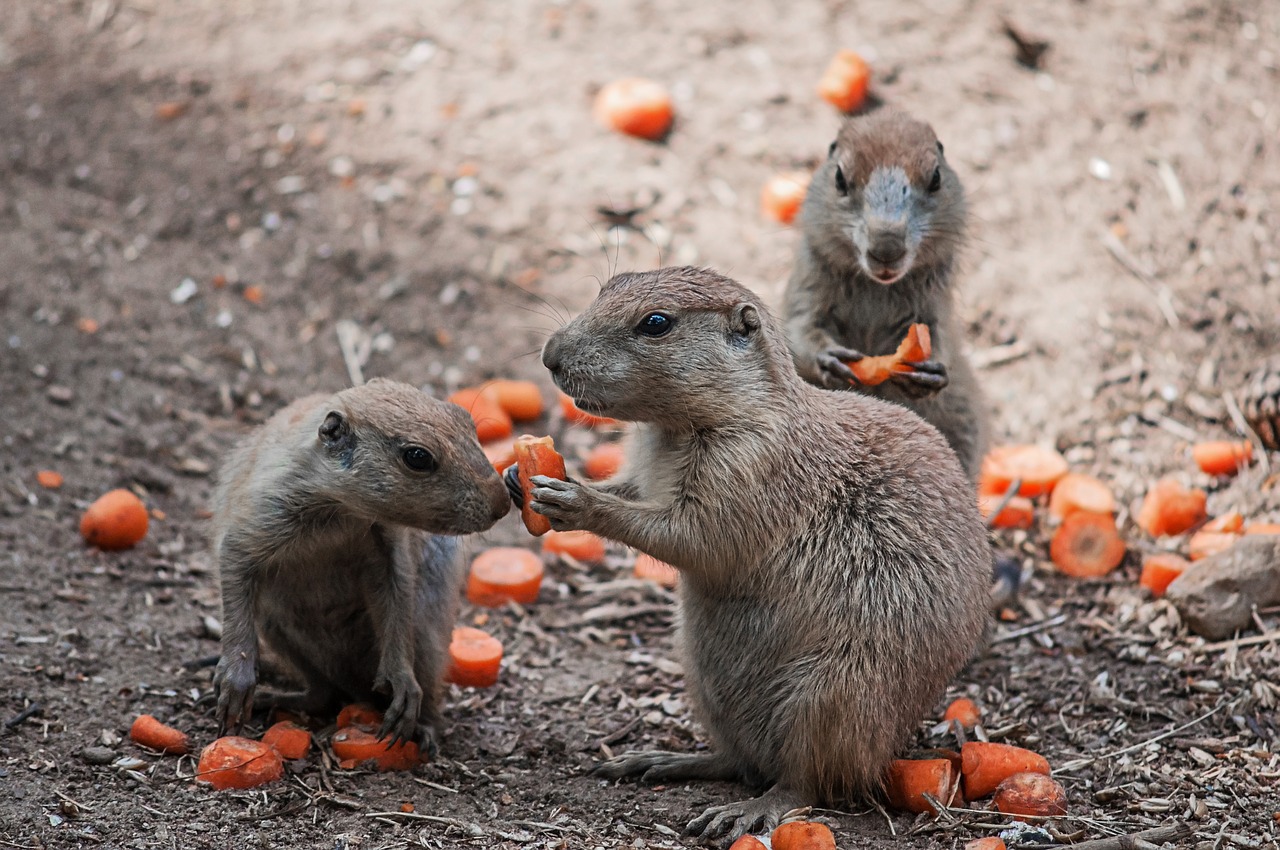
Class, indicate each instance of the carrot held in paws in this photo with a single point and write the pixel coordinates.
(536, 456)
(916, 347)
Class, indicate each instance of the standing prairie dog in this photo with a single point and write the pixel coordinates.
(883, 222)
(328, 524)
(833, 564)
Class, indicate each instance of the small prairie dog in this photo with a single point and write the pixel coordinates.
(882, 226)
(833, 563)
(330, 529)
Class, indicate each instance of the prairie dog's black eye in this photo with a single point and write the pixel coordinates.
(656, 324)
(936, 182)
(841, 186)
(418, 459)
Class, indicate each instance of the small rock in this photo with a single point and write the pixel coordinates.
(98, 755)
(1216, 596)
(60, 394)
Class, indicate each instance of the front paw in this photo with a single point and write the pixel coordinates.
(511, 478)
(234, 681)
(400, 720)
(833, 368)
(924, 379)
(567, 504)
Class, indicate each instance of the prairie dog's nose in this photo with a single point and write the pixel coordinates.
(887, 252)
(551, 353)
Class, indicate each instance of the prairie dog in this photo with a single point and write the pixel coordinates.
(833, 564)
(882, 224)
(330, 526)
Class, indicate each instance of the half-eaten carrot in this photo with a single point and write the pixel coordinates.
(635, 106)
(148, 732)
(1222, 457)
(359, 714)
(910, 779)
(604, 461)
(1038, 468)
(1078, 492)
(1170, 508)
(354, 746)
(580, 545)
(522, 400)
(782, 195)
(116, 520)
(1086, 545)
(503, 574)
(1031, 794)
(748, 842)
(1203, 543)
(802, 835)
(916, 347)
(578, 416)
(492, 422)
(965, 711)
(474, 658)
(290, 740)
(845, 83)
(235, 762)
(985, 765)
(536, 456)
(651, 569)
(1159, 571)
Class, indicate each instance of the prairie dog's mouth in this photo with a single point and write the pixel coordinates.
(886, 274)
(588, 405)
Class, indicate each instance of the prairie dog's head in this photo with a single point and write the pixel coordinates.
(676, 346)
(397, 455)
(886, 198)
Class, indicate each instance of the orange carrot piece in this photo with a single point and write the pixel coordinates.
(1203, 543)
(916, 347)
(1019, 513)
(1262, 528)
(117, 520)
(502, 574)
(748, 842)
(985, 765)
(578, 416)
(1077, 492)
(991, 842)
(48, 479)
(579, 545)
(1040, 469)
(604, 461)
(407, 808)
(361, 715)
(154, 735)
(536, 456)
(290, 740)
(1170, 508)
(650, 568)
(1086, 545)
(492, 422)
(354, 744)
(782, 195)
(802, 835)
(1159, 571)
(635, 106)
(1031, 794)
(474, 658)
(501, 454)
(234, 762)
(1222, 457)
(845, 83)
(522, 400)
(1231, 523)
(964, 710)
(910, 779)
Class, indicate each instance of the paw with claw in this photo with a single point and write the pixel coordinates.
(234, 681)
(924, 379)
(732, 821)
(567, 504)
(400, 720)
(833, 368)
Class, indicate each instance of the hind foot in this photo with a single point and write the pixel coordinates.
(757, 816)
(658, 766)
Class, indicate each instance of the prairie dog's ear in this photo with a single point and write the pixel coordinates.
(831, 150)
(333, 428)
(745, 319)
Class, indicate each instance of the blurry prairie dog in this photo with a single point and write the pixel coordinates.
(330, 526)
(883, 222)
(833, 563)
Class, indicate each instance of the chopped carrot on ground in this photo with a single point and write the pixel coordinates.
(1231, 522)
(474, 658)
(1019, 513)
(359, 714)
(234, 762)
(845, 83)
(117, 520)
(1038, 468)
(407, 808)
(1077, 492)
(910, 779)
(1086, 545)
(1262, 528)
(1203, 543)
(522, 400)
(152, 734)
(578, 416)
(1170, 508)
(964, 710)
(290, 740)
(985, 765)
(635, 106)
(502, 574)
(748, 842)
(916, 347)
(579, 545)
(501, 454)
(991, 842)
(536, 456)
(604, 461)
(1222, 457)
(1030, 794)
(354, 746)
(802, 835)
(650, 568)
(492, 422)
(782, 195)
(48, 479)
(1159, 571)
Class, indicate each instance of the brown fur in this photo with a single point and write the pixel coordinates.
(330, 550)
(833, 564)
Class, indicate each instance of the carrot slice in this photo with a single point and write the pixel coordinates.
(1077, 492)
(154, 735)
(1031, 794)
(802, 835)
(916, 347)
(845, 83)
(290, 740)
(474, 658)
(910, 779)
(522, 400)
(502, 574)
(359, 714)
(1159, 571)
(748, 842)
(782, 195)
(1019, 513)
(536, 456)
(492, 422)
(604, 461)
(578, 416)
(235, 762)
(1170, 508)
(579, 545)
(985, 765)
(1205, 543)
(1262, 528)
(1086, 546)
(635, 106)
(501, 454)
(991, 842)
(1222, 457)
(1230, 522)
(650, 568)
(116, 520)
(354, 746)
(964, 710)
(48, 479)
(1040, 469)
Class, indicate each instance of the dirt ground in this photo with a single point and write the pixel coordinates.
(431, 174)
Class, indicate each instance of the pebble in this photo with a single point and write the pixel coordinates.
(1215, 598)
(98, 755)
